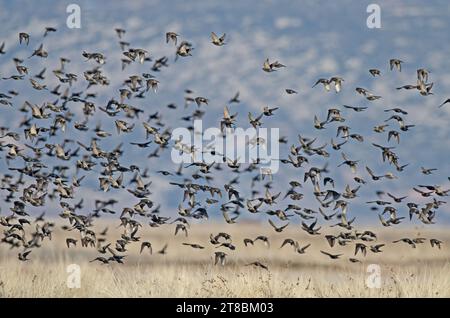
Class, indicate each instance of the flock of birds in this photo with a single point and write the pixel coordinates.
(40, 168)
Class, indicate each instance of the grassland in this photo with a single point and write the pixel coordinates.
(186, 272)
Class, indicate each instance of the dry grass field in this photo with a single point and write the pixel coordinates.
(188, 272)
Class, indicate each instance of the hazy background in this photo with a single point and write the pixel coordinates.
(312, 38)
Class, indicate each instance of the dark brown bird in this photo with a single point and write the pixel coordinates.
(332, 256)
(146, 245)
(258, 264)
(71, 241)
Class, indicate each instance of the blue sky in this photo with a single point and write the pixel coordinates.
(312, 38)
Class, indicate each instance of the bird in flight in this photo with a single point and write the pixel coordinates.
(93, 135)
(445, 102)
(218, 41)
